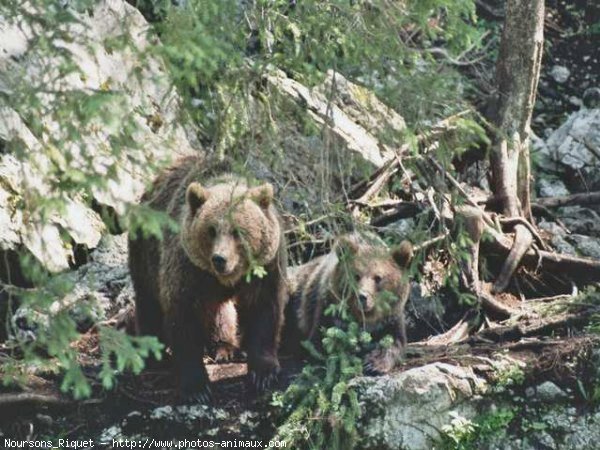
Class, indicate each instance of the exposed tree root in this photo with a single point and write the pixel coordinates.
(511, 221)
(583, 270)
(494, 307)
(522, 242)
(457, 333)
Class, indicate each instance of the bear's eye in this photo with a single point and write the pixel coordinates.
(377, 279)
(212, 231)
(236, 233)
(357, 277)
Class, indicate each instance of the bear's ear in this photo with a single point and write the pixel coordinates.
(403, 254)
(196, 196)
(263, 195)
(346, 245)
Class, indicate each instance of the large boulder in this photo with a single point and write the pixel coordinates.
(408, 410)
(573, 151)
(353, 115)
(141, 107)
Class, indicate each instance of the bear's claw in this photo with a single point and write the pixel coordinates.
(224, 354)
(370, 370)
(204, 396)
(261, 381)
(381, 361)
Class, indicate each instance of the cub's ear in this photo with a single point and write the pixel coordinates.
(196, 196)
(263, 195)
(403, 254)
(346, 245)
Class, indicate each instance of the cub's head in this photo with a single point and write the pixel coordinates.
(371, 278)
(228, 226)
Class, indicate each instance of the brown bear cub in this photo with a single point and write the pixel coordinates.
(372, 280)
(191, 285)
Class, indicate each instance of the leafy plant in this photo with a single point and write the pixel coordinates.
(465, 434)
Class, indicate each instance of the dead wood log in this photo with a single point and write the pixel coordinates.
(401, 211)
(367, 189)
(583, 270)
(588, 198)
(423, 245)
(535, 327)
(21, 399)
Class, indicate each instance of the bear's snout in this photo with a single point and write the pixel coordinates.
(219, 262)
(365, 301)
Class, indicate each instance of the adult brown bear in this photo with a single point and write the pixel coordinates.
(186, 282)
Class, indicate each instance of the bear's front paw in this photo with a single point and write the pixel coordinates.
(194, 384)
(225, 353)
(263, 379)
(382, 360)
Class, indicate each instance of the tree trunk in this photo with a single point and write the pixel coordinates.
(517, 75)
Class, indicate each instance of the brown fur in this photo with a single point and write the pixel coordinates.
(225, 339)
(188, 300)
(361, 273)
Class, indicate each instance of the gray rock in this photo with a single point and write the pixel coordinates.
(591, 97)
(549, 392)
(424, 313)
(551, 188)
(576, 101)
(542, 156)
(560, 74)
(573, 148)
(586, 245)
(543, 441)
(101, 288)
(562, 246)
(581, 220)
(101, 67)
(400, 228)
(584, 434)
(530, 392)
(562, 431)
(552, 227)
(409, 409)
(354, 115)
(570, 142)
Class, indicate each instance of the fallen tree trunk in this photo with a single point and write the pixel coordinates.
(535, 327)
(588, 198)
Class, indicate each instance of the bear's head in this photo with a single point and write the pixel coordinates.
(228, 227)
(370, 277)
